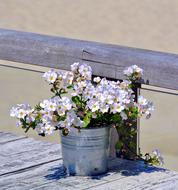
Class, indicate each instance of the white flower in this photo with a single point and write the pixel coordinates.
(93, 105)
(51, 106)
(48, 128)
(109, 100)
(39, 128)
(85, 71)
(13, 112)
(60, 75)
(142, 101)
(21, 114)
(61, 111)
(82, 84)
(20, 111)
(31, 116)
(72, 119)
(89, 91)
(158, 155)
(128, 71)
(104, 108)
(104, 82)
(126, 100)
(133, 71)
(117, 108)
(46, 115)
(44, 103)
(66, 103)
(77, 122)
(65, 124)
(68, 79)
(145, 106)
(125, 84)
(156, 152)
(137, 69)
(50, 76)
(97, 79)
(74, 67)
(23, 106)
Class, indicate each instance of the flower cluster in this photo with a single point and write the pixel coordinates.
(133, 73)
(156, 158)
(20, 111)
(90, 100)
(145, 106)
(92, 103)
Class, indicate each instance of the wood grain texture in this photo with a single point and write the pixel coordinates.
(161, 69)
(6, 137)
(25, 153)
(122, 175)
(45, 173)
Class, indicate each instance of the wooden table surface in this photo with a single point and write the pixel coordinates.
(27, 164)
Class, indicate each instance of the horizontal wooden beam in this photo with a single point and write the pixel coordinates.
(160, 69)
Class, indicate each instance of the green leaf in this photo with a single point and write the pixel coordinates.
(70, 87)
(118, 145)
(132, 145)
(76, 100)
(23, 122)
(33, 125)
(61, 118)
(135, 113)
(26, 130)
(87, 119)
(116, 118)
(38, 107)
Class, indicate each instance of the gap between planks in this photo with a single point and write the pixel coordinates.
(28, 168)
(20, 138)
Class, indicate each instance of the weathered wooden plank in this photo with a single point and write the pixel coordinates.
(26, 153)
(146, 182)
(161, 69)
(49, 175)
(122, 175)
(6, 137)
(32, 164)
(137, 176)
(30, 178)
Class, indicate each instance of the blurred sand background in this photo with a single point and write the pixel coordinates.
(148, 24)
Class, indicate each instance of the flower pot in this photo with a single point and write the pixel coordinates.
(85, 153)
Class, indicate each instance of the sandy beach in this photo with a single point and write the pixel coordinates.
(147, 24)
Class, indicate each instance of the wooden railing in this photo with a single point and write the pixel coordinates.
(161, 69)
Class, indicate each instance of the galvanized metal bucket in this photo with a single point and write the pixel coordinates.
(85, 153)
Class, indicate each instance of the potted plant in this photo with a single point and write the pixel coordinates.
(85, 116)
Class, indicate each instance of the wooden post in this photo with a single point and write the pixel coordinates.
(114, 137)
